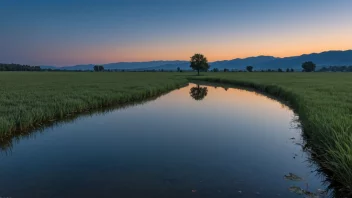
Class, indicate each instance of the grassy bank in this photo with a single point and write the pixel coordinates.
(324, 104)
(322, 100)
(27, 99)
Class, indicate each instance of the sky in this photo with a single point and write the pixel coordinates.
(70, 32)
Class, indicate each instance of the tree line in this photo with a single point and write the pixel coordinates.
(18, 67)
(336, 69)
(199, 63)
(251, 70)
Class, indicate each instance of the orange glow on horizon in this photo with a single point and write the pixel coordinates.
(215, 50)
(217, 53)
(241, 98)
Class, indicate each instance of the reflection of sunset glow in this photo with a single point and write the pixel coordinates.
(248, 102)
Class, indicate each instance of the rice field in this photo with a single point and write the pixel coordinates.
(323, 102)
(28, 99)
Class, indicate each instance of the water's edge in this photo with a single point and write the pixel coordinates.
(294, 102)
(6, 140)
(109, 108)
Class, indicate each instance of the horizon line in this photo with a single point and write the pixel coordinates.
(209, 61)
(160, 60)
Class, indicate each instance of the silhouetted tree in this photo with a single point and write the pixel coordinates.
(249, 68)
(287, 70)
(279, 70)
(292, 70)
(98, 68)
(308, 66)
(199, 63)
(178, 69)
(198, 93)
(226, 70)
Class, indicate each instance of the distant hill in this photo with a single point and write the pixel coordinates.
(152, 65)
(125, 65)
(47, 67)
(241, 63)
(328, 58)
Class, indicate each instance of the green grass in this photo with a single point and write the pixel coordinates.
(322, 100)
(28, 99)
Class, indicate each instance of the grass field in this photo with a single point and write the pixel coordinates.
(324, 104)
(322, 100)
(28, 99)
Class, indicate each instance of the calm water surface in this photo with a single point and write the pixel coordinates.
(192, 142)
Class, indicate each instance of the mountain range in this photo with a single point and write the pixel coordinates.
(328, 58)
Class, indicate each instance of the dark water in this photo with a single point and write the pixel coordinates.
(227, 143)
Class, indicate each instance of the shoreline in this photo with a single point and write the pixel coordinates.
(318, 150)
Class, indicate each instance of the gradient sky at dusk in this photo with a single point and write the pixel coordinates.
(69, 32)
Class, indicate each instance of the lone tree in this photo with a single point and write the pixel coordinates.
(199, 62)
(98, 68)
(198, 93)
(308, 66)
(249, 68)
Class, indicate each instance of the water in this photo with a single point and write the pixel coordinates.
(219, 143)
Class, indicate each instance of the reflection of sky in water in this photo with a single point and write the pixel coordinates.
(230, 141)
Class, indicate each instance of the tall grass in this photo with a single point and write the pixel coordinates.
(29, 99)
(324, 104)
(7, 142)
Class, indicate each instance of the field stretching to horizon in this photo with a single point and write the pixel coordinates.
(323, 102)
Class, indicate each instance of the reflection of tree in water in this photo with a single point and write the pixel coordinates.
(198, 93)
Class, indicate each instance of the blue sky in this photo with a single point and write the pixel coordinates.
(69, 32)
